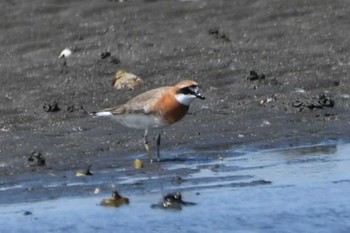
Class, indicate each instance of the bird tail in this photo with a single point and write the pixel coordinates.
(101, 114)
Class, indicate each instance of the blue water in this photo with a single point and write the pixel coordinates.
(304, 189)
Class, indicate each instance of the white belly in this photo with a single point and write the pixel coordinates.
(140, 121)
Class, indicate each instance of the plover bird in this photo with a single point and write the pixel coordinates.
(155, 108)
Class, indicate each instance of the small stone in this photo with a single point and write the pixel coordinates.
(124, 79)
(65, 53)
(138, 164)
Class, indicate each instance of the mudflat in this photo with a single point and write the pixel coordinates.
(274, 73)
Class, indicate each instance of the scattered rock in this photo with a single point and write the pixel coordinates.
(172, 201)
(54, 107)
(51, 107)
(75, 108)
(336, 83)
(36, 159)
(116, 200)
(124, 79)
(104, 55)
(345, 96)
(324, 101)
(138, 164)
(253, 75)
(71, 108)
(300, 90)
(265, 123)
(87, 172)
(107, 56)
(218, 35)
(65, 53)
(213, 31)
(312, 103)
(27, 212)
(97, 191)
(327, 116)
(177, 180)
(267, 100)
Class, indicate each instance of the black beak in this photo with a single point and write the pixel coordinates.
(199, 96)
(198, 93)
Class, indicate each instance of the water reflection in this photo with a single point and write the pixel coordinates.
(301, 189)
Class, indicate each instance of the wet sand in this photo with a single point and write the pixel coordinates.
(301, 47)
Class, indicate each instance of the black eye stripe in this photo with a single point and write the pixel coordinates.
(187, 90)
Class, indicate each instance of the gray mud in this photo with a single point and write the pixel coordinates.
(301, 48)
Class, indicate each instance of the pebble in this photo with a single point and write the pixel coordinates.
(65, 53)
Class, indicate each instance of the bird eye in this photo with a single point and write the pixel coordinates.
(189, 90)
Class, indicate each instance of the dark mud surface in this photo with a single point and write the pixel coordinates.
(300, 47)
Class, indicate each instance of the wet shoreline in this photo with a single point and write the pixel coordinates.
(250, 189)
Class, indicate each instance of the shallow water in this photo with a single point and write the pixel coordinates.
(303, 189)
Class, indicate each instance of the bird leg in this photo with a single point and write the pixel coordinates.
(145, 143)
(158, 146)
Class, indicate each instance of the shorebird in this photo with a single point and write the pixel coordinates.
(155, 108)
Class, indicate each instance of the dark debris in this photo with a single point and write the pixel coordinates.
(318, 102)
(36, 159)
(115, 201)
(75, 108)
(51, 107)
(172, 201)
(218, 35)
(109, 58)
(253, 75)
(54, 107)
(88, 171)
(27, 212)
(106, 54)
(177, 180)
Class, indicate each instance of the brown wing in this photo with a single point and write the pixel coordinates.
(141, 104)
